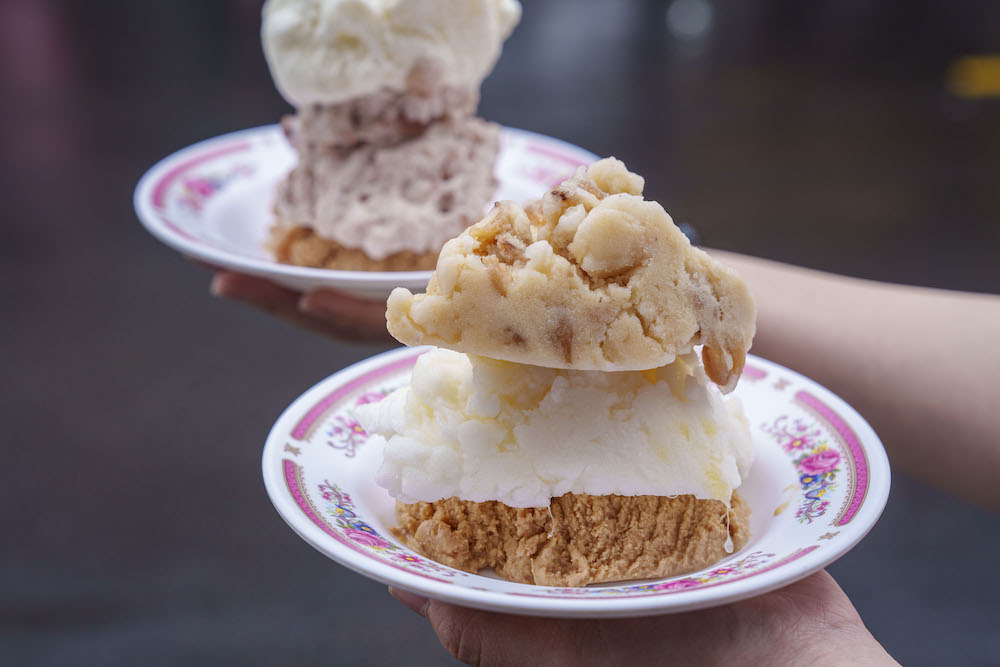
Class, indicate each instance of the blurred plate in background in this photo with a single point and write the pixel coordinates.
(212, 201)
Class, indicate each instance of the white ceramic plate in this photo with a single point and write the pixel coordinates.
(819, 483)
(212, 201)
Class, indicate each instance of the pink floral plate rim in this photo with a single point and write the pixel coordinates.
(832, 446)
(159, 188)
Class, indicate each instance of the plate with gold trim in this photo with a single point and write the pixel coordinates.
(817, 486)
(212, 201)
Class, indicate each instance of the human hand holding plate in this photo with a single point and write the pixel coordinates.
(321, 310)
(811, 615)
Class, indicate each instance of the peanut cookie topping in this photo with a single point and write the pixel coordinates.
(589, 277)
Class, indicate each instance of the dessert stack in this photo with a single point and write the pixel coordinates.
(564, 429)
(392, 160)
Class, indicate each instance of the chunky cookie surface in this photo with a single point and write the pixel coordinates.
(589, 277)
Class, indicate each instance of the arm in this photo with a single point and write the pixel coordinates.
(919, 364)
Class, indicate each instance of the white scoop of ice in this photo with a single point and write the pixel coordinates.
(480, 429)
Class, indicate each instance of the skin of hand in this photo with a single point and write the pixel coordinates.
(810, 622)
(323, 311)
(920, 364)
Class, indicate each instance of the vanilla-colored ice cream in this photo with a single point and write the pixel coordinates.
(480, 430)
(330, 51)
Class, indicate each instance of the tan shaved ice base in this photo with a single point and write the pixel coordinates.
(583, 540)
(300, 245)
(589, 277)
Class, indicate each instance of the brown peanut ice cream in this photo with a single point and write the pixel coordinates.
(579, 539)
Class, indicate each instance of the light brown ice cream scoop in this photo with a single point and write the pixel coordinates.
(590, 277)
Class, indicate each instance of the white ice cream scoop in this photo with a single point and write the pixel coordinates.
(329, 51)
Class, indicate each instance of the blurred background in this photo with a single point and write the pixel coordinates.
(861, 137)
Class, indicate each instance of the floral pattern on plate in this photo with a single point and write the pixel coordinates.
(340, 507)
(345, 433)
(815, 460)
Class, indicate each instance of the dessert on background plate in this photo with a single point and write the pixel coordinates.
(212, 201)
(566, 432)
(392, 161)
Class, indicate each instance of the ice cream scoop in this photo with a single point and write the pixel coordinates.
(330, 51)
(480, 429)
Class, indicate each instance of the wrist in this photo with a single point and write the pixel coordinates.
(811, 622)
(828, 645)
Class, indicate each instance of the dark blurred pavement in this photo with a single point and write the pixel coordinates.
(135, 528)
